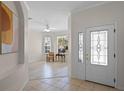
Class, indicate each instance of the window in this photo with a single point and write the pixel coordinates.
(80, 47)
(62, 44)
(99, 47)
(47, 44)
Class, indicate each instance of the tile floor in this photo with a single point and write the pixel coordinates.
(65, 84)
(54, 77)
(47, 69)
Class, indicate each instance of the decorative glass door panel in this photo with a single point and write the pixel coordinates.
(99, 47)
(80, 47)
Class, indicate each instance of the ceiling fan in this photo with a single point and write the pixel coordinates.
(45, 26)
(48, 28)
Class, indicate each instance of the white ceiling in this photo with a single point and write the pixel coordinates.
(55, 13)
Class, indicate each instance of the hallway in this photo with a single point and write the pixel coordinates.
(82, 39)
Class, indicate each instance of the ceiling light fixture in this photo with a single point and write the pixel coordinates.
(47, 30)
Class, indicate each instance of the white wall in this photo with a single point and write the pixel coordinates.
(13, 75)
(35, 46)
(109, 13)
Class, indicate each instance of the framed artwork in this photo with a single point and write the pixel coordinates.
(8, 44)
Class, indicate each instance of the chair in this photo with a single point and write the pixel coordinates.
(60, 57)
(50, 57)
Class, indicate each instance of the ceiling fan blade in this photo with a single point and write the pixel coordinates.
(52, 28)
(45, 26)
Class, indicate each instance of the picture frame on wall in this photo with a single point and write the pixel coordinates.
(8, 32)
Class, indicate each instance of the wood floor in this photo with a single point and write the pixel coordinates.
(54, 77)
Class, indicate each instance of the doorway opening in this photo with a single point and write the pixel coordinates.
(54, 55)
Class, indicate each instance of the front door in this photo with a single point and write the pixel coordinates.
(100, 63)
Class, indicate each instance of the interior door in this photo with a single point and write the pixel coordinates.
(100, 64)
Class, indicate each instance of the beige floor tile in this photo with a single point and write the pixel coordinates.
(39, 70)
(100, 87)
(53, 77)
(33, 83)
(87, 85)
(113, 89)
(75, 82)
(60, 84)
(64, 79)
(84, 89)
(70, 88)
(42, 87)
(30, 89)
(50, 81)
(54, 89)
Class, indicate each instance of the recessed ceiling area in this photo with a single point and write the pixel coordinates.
(54, 13)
